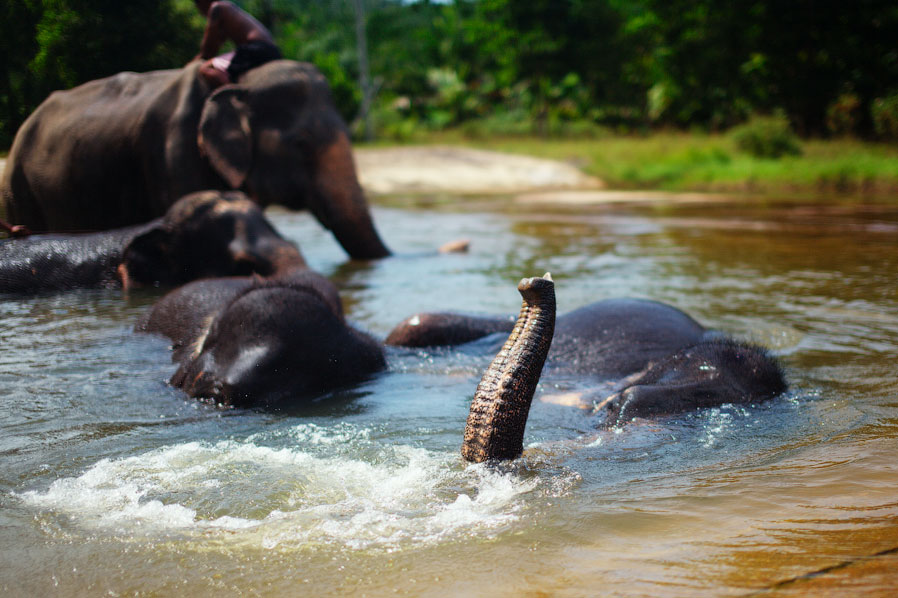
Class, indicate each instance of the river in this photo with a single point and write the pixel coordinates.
(112, 483)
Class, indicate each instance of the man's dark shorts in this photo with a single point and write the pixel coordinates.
(250, 55)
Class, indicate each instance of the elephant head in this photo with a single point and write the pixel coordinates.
(277, 135)
(707, 374)
(205, 234)
(263, 340)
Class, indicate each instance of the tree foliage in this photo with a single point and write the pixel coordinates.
(540, 66)
(56, 44)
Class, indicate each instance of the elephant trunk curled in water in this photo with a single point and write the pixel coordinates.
(640, 359)
(119, 151)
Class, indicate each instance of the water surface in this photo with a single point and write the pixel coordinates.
(113, 483)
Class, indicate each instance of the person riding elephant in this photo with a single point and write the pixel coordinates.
(641, 358)
(254, 44)
(247, 341)
(119, 151)
(204, 234)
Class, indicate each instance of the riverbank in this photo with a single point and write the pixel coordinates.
(842, 169)
(408, 175)
(660, 168)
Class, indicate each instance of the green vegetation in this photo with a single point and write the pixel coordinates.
(677, 161)
(56, 44)
(561, 67)
(544, 67)
(767, 137)
(612, 84)
(885, 117)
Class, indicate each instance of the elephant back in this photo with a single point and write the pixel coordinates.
(618, 337)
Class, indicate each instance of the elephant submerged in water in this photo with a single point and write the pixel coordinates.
(203, 234)
(249, 341)
(662, 362)
(119, 151)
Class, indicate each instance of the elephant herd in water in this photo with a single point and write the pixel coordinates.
(154, 161)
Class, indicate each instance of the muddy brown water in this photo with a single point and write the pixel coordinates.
(112, 483)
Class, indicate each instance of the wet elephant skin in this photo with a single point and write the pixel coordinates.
(644, 359)
(245, 342)
(119, 151)
(202, 235)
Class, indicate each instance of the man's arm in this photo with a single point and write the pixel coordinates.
(226, 21)
(216, 32)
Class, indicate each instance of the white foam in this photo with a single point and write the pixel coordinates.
(317, 490)
(718, 423)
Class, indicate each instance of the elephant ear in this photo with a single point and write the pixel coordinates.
(147, 259)
(224, 135)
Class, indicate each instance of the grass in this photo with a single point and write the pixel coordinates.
(676, 161)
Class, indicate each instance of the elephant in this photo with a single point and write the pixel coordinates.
(119, 151)
(249, 341)
(208, 233)
(658, 361)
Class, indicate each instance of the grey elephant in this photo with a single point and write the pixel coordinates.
(643, 359)
(204, 234)
(248, 341)
(119, 151)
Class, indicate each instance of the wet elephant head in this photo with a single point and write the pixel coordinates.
(246, 341)
(277, 135)
(207, 234)
(707, 374)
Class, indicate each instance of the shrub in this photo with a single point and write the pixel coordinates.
(767, 137)
(842, 115)
(576, 129)
(885, 116)
(501, 123)
(519, 123)
(393, 120)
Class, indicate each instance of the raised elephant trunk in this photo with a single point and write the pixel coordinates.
(495, 428)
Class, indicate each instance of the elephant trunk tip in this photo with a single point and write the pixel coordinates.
(536, 288)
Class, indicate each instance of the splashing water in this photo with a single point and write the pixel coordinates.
(315, 492)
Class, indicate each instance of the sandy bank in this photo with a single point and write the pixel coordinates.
(458, 170)
(464, 171)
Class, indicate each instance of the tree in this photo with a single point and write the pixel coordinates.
(365, 83)
(718, 61)
(19, 91)
(80, 40)
(56, 44)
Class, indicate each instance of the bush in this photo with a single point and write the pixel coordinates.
(767, 137)
(519, 123)
(576, 129)
(393, 120)
(512, 123)
(885, 116)
(842, 115)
